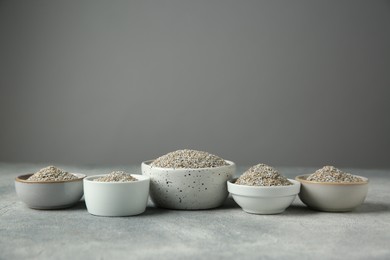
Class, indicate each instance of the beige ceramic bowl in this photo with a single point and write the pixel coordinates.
(49, 194)
(330, 196)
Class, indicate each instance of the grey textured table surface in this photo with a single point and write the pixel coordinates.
(225, 232)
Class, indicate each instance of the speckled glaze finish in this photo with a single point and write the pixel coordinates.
(189, 189)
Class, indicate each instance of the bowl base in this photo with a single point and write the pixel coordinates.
(332, 210)
(52, 207)
(266, 212)
(120, 215)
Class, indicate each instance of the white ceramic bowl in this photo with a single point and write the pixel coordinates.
(263, 199)
(116, 199)
(190, 189)
(49, 194)
(330, 196)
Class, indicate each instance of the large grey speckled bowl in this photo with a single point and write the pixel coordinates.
(49, 194)
(190, 189)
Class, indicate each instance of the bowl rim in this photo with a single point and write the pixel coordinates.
(264, 191)
(139, 177)
(302, 179)
(230, 164)
(23, 179)
(294, 183)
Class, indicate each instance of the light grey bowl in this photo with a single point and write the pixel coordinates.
(264, 199)
(190, 189)
(331, 196)
(116, 199)
(49, 194)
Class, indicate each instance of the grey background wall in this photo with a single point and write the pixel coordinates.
(302, 83)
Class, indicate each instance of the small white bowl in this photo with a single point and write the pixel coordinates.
(190, 189)
(49, 194)
(116, 199)
(330, 196)
(263, 199)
